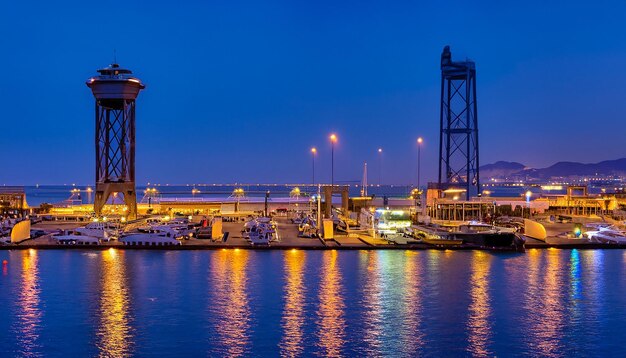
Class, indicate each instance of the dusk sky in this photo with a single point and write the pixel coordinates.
(240, 91)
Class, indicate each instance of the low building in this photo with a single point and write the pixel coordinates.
(13, 201)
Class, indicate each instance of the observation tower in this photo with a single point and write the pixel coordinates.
(115, 91)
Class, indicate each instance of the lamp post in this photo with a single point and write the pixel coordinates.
(313, 153)
(528, 195)
(380, 166)
(333, 140)
(419, 147)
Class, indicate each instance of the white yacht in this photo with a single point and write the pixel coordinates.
(161, 236)
(258, 236)
(260, 231)
(101, 230)
(73, 239)
(606, 235)
(480, 227)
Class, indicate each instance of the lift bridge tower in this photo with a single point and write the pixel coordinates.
(458, 138)
(115, 91)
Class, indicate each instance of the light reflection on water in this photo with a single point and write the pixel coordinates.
(479, 320)
(114, 330)
(412, 305)
(574, 263)
(331, 323)
(372, 300)
(229, 306)
(293, 311)
(303, 303)
(545, 302)
(28, 328)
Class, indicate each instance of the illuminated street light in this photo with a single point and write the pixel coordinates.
(419, 147)
(380, 166)
(238, 192)
(333, 139)
(313, 154)
(528, 195)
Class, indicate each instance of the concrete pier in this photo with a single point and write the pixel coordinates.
(288, 239)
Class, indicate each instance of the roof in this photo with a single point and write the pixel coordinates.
(12, 190)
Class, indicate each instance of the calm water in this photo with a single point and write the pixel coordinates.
(355, 303)
(56, 194)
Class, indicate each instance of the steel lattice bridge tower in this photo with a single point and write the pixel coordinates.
(458, 138)
(115, 90)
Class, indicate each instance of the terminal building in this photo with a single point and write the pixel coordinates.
(13, 201)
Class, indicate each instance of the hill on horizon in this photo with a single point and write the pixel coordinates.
(504, 169)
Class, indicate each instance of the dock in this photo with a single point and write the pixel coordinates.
(288, 240)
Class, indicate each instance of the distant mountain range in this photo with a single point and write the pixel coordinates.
(509, 170)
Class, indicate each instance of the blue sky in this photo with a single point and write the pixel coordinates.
(240, 91)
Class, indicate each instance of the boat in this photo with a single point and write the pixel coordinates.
(260, 231)
(606, 235)
(433, 235)
(308, 228)
(298, 218)
(161, 236)
(259, 236)
(73, 239)
(485, 236)
(101, 230)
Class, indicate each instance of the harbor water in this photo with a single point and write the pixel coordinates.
(60, 194)
(296, 302)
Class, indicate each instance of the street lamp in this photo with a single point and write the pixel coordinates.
(528, 195)
(313, 153)
(380, 166)
(333, 140)
(419, 147)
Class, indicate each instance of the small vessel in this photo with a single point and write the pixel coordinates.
(487, 236)
(260, 231)
(471, 234)
(259, 236)
(73, 239)
(101, 230)
(434, 236)
(161, 236)
(606, 235)
(298, 217)
(308, 228)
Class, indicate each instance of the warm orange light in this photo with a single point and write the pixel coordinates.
(114, 333)
(313, 150)
(333, 138)
(420, 140)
